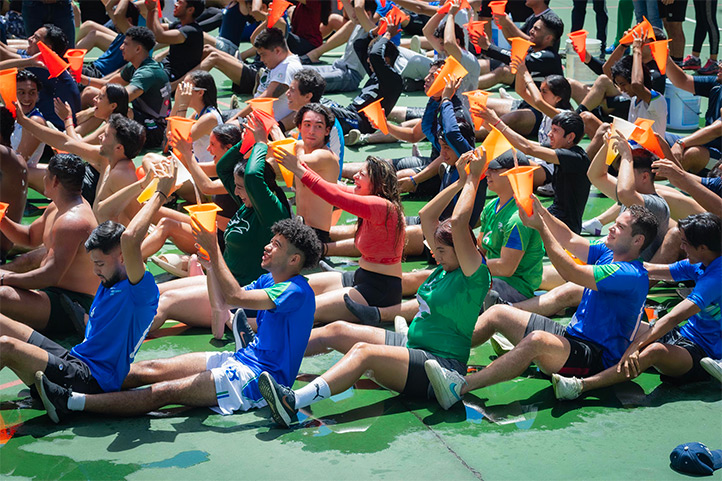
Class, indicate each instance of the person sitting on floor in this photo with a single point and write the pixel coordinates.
(602, 328)
(448, 303)
(225, 381)
(680, 354)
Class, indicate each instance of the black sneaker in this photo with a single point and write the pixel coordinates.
(242, 332)
(54, 397)
(75, 313)
(280, 399)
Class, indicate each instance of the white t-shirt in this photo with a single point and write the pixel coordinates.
(283, 74)
(655, 110)
(200, 146)
(17, 136)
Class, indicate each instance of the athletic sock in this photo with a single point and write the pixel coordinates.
(677, 59)
(76, 401)
(316, 390)
(367, 314)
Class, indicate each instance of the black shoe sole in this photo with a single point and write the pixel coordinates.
(274, 402)
(49, 406)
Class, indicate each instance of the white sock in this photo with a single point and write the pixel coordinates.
(312, 392)
(76, 401)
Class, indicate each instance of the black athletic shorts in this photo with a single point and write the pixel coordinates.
(417, 383)
(697, 373)
(538, 117)
(585, 357)
(379, 290)
(674, 12)
(323, 235)
(247, 81)
(63, 368)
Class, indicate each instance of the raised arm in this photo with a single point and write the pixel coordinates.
(162, 33)
(637, 84)
(133, 236)
(429, 29)
(598, 172)
(690, 184)
(528, 90)
(450, 46)
(464, 245)
(626, 190)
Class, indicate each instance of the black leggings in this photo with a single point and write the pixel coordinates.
(706, 13)
(579, 12)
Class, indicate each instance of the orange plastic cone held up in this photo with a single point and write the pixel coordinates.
(579, 42)
(376, 115)
(383, 26)
(289, 145)
(643, 28)
(264, 104)
(476, 30)
(451, 67)
(619, 126)
(205, 214)
(644, 136)
(522, 183)
(267, 120)
(660, 49)
(396, 16)
(181, 127)
(248, 141)
(52, 60)
(158, 8)
(8, 88)
(495, 144)
(276, 11)
(148, 191)
(480, 154)
(139, 172)
(383, 3)
(519, 48)
(75, 57)
(3, 208)
(477, 99)
(498, 7)
(287, 176)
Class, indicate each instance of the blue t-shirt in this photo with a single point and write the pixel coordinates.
(112, 59)
(704, 328)
(62, 86)
(610, 316)
(120, 318)
(713, 183)
(283, 331)
(708, 86)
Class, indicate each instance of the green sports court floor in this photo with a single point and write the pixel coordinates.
(515, 430)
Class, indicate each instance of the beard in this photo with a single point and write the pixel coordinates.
(112, 281)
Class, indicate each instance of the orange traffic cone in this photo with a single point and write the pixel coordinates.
(660, 52)
(204, 214)
(376, 115)
(276, 11)
(75, 57)
(579, 43)
(248, 141)
(264, 104)
(477, 99)
(451, 67)
(495, 144)
(519, 48)
(181, 127)
(52, 60)
(8, 88)
(3, 208)
(498, 7)
(521, 179)
(476, 30)
(643, 28)
(644, 136)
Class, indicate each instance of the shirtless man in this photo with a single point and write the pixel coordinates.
(314, 122)
(121, 142)
(47, 297)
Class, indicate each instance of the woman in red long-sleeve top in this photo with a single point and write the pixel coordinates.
(380, 237)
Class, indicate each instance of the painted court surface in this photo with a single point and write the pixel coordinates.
(515, 430)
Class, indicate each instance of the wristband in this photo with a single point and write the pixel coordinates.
(497, 122)
(681, 143)
(412, 181)
(162, 193)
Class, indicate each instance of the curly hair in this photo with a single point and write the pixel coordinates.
(302, 237)
(385, 185)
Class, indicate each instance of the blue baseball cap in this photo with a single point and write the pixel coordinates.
(695, 458)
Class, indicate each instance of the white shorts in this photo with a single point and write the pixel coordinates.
(233, 381)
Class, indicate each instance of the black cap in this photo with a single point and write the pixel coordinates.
(506, 160)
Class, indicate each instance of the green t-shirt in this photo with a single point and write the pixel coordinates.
(449, 304)
(249, 230)
(154, 102)
(505, 229)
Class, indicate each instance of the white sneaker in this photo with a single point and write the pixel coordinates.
(500, 344)
(447, 384)
(504, 94)
(400, 325)
(415, 44)
(566, 388)
(592, 227)
(713, 367)
(352, 138)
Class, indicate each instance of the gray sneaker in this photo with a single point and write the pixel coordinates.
(566, 388)
(352, 138)
(713, 367)
(446, 383)
(280, 399)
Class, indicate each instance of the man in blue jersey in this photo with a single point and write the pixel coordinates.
(224, 381)
(675, 352)
(120, 315)
(606, 322)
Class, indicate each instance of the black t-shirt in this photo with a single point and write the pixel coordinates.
(531, 20)
(540, 64)
(571, 187)
(708, 86)
(182, 57)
